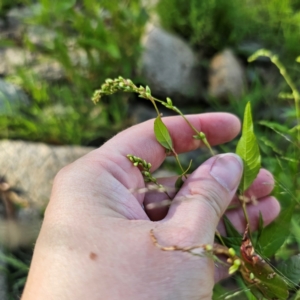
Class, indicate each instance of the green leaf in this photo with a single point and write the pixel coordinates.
(63, 5)
(291, 269)
(233, 238)
(296, 296)
(275, 234)
(247, 148)
(275, 126)
(259, 230)
(230, 229)
(232, 242)
(271, 145)
(162, 134)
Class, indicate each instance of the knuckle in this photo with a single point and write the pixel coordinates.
(210, 197)
(62, 174)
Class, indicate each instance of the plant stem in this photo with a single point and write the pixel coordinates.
(274, 59)
(178, 161)
(217, 233)
(246, 214)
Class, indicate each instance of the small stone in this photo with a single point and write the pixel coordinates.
(226, 76)
(10, 58)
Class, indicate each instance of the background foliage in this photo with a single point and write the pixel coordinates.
(90, 41)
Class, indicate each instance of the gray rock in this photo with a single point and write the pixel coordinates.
(11, 98)
(48, 69)
(42, 66)
(226, 76)
(31, 167)
(11, 58)
(169, 65)
(41, 36)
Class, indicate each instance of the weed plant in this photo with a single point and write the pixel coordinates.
(258, 272)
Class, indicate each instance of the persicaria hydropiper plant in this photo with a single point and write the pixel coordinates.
(264, 281)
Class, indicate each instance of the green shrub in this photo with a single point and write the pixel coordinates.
(215, 24)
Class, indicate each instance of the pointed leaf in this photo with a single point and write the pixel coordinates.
(233, 238)
(275, 126)
(248, 150)
(230, 229)
(275, 234)
(259, 231)
(232, 242)
(162, 134)
(291, 269)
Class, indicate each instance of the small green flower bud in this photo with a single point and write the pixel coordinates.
(148, 91)
(232, 269)
(202, 135)
(208, 247)
(169, 101)
(231, 251)
(130, 158)
(237, 262)
(136, 164)
(251, 276)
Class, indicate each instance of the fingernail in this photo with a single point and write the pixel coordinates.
(227, 169)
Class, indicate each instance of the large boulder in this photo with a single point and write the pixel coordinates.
(31, 167)
(27, 172)
(169, 65)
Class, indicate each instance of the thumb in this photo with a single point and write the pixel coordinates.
(205, 195)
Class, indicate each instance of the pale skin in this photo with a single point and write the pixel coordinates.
(95, 240)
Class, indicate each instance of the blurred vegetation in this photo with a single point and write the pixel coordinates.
(90, 40)
(212, 25)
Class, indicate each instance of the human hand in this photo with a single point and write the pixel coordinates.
(95, 242)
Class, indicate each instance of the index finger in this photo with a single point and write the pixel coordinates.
(140, 140)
